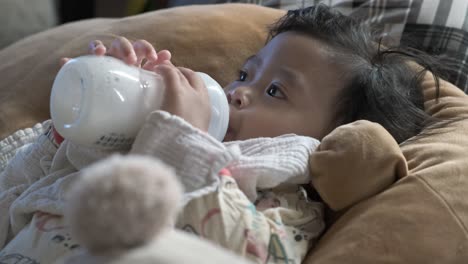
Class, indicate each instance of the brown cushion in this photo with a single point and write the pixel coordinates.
(423, 217)
(214, 39)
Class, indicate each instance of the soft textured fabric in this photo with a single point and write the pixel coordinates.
(35, 183)
(265, 162)
(167, 250)
(50, 233)
(10, 144)
(369, 159)
(43, 240)
(222, 180)
(281, 226)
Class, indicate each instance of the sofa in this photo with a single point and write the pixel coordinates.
(411, 211)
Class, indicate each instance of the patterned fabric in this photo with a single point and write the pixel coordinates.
(45, 239)
(439, 27)
(278, 224)
(280, 227)
(10, 144)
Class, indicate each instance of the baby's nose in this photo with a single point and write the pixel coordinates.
(238, 97)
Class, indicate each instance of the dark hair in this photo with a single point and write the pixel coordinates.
(381, 86)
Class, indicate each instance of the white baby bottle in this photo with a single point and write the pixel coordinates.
(102, 102)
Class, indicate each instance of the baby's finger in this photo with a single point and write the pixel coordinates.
(170, 75)
(122, 49)
(63, 61)
(192, 77)
(144, 49)
(164, 56)
(96, 47)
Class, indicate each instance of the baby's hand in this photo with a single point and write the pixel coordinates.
(185, 95)
(139, 53)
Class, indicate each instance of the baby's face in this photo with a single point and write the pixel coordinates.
(289, 86)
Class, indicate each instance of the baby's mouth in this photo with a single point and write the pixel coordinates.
(229, 135)
(230, 131)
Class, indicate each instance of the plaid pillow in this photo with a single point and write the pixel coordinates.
(438, 27)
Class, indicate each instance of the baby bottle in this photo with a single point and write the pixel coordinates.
(102, 102)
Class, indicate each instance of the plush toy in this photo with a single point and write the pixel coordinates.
(369, 161)
(122, 210)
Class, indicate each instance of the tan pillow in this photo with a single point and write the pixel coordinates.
(215, 39)
(423, 217)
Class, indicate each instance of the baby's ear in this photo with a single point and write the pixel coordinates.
(354, 162)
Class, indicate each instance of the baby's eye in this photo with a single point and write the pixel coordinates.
(275, 91)
(242, 75)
